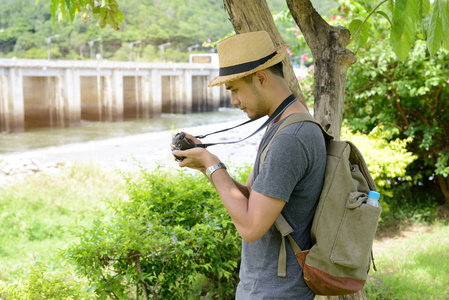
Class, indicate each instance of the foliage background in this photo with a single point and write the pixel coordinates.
(402, 106)
(183, 23)
(408, 99)
(166, 231)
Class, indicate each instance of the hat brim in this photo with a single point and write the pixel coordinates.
(219, 80)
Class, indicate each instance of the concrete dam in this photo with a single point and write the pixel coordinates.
(58, 93)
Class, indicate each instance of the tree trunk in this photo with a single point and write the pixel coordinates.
(254, 15)
(331, 60)
(444, 186)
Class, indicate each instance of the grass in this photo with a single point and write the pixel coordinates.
(412, 265)
(34, 214)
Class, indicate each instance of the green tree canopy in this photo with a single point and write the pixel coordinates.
(184, 23)
(404, 17)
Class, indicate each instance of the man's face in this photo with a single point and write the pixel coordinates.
(248, 97)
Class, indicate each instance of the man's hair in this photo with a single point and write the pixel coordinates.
(276, 69)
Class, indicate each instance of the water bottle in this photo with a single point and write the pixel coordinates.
(373, 199)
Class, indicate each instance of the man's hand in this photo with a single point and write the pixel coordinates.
(196, 158)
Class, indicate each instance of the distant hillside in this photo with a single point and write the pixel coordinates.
(182, 23)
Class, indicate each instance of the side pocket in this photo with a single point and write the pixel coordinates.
(355, 236)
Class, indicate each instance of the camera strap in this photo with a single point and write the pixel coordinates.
(279, 110)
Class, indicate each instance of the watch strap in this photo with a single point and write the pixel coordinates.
(210, 170)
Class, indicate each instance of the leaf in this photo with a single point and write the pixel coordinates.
(435, 32)
(445, 22)
(405, 20)
(446, 43)
(359, 32)
(385, 16)
(423, 8)
(53, 7)
(62, 8)
(354, 25)
(72, 12)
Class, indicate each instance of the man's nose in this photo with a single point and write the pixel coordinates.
(234, 100)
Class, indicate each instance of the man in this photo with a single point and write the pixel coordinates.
(289, 181)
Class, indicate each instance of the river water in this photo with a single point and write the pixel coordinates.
(92, 131)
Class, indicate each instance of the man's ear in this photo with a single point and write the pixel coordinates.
(261, 77)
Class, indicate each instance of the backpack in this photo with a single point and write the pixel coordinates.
(343, 227)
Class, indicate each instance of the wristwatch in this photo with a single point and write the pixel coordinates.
(214, 168)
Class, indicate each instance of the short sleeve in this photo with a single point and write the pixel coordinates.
(286, 162)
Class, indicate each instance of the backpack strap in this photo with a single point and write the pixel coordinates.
(357, 157)
(295, 118)
(281, 223)
(285, 229)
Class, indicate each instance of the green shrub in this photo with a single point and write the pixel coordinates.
(410, 99)
(42, 285)
(171, 237)
(168, 232)
(386, 161)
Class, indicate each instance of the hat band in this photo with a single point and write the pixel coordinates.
(225, 71)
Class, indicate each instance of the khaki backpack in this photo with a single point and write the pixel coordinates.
(343, 227)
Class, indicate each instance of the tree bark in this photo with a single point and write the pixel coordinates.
(444, 186)
(254, 15)
(331, 61)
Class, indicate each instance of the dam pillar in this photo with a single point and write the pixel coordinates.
(213, 94)
(155, 93)
(12, 106)
(71, 97)
(145, 96)
(114, 97)
(185, 97)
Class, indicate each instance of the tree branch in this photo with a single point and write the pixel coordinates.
(398, 105)
(139, 271)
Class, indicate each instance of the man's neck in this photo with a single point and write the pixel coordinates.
(295, 107)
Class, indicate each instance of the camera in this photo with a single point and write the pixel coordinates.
(180, 142)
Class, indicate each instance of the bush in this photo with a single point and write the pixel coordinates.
(42, 285)
(170, 232)
(410, 99)
(386, 160)
(171, 237)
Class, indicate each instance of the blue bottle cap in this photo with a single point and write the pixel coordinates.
(374, 195)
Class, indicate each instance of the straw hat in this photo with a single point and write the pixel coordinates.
(244, 54)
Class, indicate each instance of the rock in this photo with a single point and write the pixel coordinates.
(16, 170)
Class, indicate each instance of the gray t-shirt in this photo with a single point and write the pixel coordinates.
(293, 171)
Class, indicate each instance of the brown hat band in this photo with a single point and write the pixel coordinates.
(225, 71)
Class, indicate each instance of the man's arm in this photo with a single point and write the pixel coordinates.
(252, 213)
(252, 216)
(245, 189)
